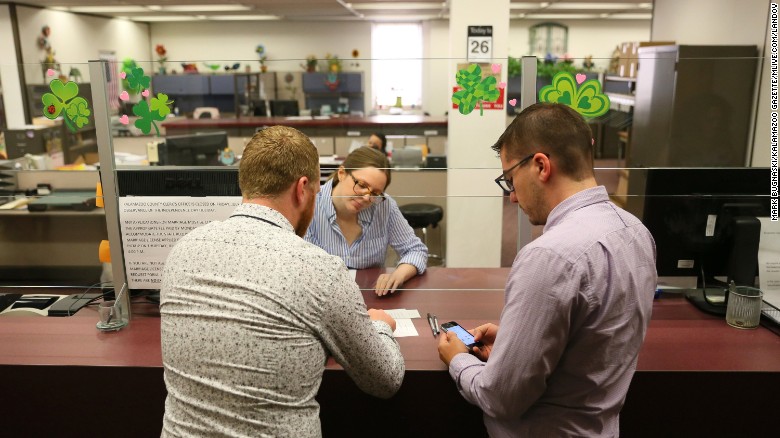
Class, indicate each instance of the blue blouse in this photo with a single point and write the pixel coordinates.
(383, 225)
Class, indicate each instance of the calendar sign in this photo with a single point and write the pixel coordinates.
(480, 43)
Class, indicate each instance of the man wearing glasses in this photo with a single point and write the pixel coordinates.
(355, 220)
(578, 298)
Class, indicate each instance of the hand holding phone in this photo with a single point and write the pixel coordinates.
(462, 334)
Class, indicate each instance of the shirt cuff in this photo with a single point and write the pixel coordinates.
(383, 328)
(460, 363)
(417, 259)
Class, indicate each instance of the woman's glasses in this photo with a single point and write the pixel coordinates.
(362, 189)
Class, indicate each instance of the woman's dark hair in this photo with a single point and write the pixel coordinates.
(365, 157)
(383, 139)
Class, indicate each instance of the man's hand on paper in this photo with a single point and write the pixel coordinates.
(381, 315)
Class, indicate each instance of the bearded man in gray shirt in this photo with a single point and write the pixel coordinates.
(578, 298)
(250, 311)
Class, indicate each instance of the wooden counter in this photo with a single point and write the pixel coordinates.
(696, 376)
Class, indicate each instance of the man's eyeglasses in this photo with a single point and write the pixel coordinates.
(506, 183)
(364, 189)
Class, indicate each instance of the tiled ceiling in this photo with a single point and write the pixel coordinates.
(333, 10)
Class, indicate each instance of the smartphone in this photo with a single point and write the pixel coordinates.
(461, 333)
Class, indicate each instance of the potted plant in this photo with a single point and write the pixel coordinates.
(161, 58)
(311, 64)
(260, 50)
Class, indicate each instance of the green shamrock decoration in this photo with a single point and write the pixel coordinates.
(137, 81)
(475, 89)
(65, 97)
(148, 112)
(146, 118)
(586, 99)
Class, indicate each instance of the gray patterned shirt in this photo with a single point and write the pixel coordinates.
(250, 313)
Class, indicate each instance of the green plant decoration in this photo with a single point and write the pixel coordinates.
(514, 67)
(586, 98)
(64, 96)
(475, 89)
(128, 65)
(149, 113)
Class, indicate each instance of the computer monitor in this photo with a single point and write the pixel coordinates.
(407, 156)
(705, 224)
(199, 149)
(283, 108)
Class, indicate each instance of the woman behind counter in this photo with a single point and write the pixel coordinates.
(355, 220)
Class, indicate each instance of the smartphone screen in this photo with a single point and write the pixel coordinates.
(461, 333)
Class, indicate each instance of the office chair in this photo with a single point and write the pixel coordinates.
(206, 112)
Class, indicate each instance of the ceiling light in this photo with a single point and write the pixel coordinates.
(154, 8)
(645, 5)
(107, 9)
(525, 5)
(592, 6)
(395, 5)
(59, 8)
(631, 16)
(205, 8)
(562, 16)
(244, 17)
(163, 18)
(604, 15)
(544, 4)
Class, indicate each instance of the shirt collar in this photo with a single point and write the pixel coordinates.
(326, 198)
(264, 213)
(584, 198)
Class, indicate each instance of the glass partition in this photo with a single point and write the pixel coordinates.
(686, 107)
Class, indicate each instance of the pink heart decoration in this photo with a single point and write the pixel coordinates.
(496, 68)
(502, 85)
(49, 72)
(580, 78)
(122, 75)
(124, 96)
(513, 102)
(124, 119)
(145, 93)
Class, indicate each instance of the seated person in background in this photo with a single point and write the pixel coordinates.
(375, 141)
(250, 312)
(578, 298)
(355, 220)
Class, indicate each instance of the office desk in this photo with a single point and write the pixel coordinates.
(695, 375)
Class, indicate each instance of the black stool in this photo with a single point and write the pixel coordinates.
(422, 216)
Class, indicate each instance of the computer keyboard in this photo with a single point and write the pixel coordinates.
(770, 313)
(7, 299)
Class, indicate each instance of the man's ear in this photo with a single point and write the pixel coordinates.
(544, 165)
(301, 185)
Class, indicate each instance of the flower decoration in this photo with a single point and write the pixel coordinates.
(161, 58)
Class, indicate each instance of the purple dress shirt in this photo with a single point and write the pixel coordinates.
(577, 304)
